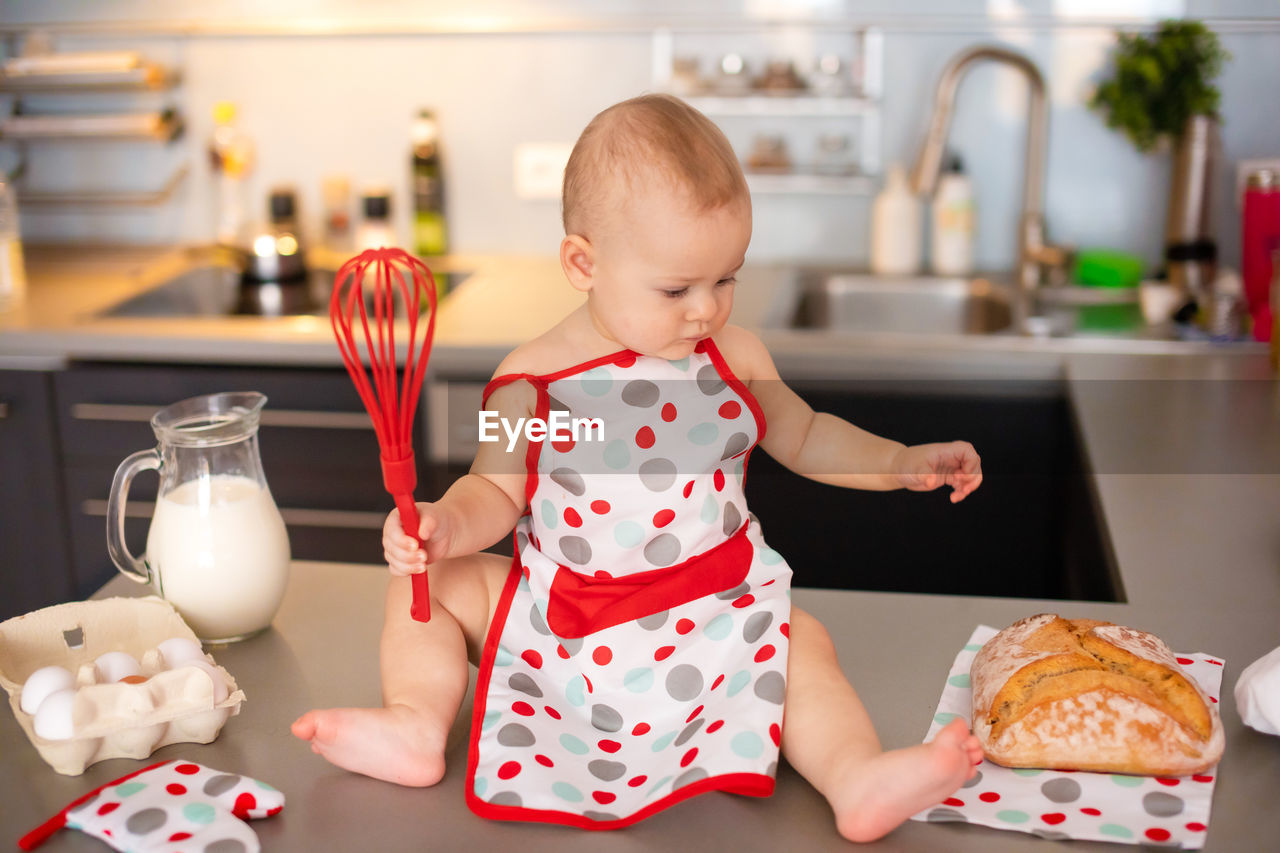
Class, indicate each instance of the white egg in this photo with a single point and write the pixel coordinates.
(114, 666)
(178, 651)
(53, 717)
(41, 683)
(220, 690)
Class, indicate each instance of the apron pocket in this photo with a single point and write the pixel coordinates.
(580, 605)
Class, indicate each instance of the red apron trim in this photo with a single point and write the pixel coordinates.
(547, 378)
(542, 410)
(744, 784)
(580, 605)
(722, 367)
(506, 379)
(491, 643)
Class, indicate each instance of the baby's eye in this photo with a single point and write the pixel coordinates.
(677, 293)
(724, 281)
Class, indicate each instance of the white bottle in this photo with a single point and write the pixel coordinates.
(13, 277)
(952, 222)
(895, 227)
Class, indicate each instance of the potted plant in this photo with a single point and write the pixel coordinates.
(1161, 92)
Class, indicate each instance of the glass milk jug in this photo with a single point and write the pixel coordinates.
(217, 548)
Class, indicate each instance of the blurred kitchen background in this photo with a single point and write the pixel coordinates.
(330, 89)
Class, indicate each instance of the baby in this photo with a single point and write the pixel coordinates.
(641, 646)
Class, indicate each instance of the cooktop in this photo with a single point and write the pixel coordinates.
(221, 291)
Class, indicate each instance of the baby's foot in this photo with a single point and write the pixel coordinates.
(876, 795)
(397, 743)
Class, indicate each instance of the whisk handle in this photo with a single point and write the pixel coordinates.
(399, 476)
(421, 607)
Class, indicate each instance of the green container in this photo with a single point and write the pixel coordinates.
(1106, 268)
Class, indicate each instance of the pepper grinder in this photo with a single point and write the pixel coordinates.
(1190, 251)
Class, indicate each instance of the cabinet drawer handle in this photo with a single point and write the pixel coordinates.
(303, 418)
(293, 516)
(132, 509)
(348, 518)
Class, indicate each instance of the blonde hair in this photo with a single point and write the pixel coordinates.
(636, 138)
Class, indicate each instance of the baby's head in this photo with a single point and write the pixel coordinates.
(657, 219)
(648, 143)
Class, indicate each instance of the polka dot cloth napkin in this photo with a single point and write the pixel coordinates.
(1059, 804)
(175, 807)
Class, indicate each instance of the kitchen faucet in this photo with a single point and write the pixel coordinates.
(1035, 257)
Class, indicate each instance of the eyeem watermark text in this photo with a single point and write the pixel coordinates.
(559, 427)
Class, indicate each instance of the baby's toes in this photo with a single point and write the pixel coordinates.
(953, 734)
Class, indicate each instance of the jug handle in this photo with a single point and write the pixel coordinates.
(129, 565)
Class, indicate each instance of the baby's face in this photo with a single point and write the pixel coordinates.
(664, 271)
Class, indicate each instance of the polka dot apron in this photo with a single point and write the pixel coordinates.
(638, 654)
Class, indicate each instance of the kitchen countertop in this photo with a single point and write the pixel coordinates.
(69, 290)
(322, 652)
(1183, 441)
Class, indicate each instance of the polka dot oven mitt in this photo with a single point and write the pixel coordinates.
(174, 806)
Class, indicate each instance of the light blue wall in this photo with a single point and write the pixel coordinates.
(325, 104)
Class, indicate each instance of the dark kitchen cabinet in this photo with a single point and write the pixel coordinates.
(35, 568)
(1033, 529)
(318, 448)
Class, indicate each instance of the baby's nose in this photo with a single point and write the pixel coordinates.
(701, 306)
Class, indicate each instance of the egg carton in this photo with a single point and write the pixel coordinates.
(117, 719)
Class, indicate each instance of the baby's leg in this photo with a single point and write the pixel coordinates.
(828, 738)
(424, 677)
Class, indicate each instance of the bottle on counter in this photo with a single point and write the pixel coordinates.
(335, 192)
(895, 227)
(1260, 234)
(430, 234)
(282, 209)
(952, 222)
(231, 153)
(13, 275)
(1275, 310)
(375, 228)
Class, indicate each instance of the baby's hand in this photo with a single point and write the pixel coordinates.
(402, 553)
(925, 467)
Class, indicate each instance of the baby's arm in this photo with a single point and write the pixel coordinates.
(479, 509)
(828, 449)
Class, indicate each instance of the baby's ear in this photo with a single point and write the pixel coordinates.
(577, 259)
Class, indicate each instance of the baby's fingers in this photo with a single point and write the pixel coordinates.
(962, 485)
(405, 561)
(402, 552)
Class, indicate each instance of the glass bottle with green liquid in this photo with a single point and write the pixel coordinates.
(430, 234)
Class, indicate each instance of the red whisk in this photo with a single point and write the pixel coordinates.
(370, 284)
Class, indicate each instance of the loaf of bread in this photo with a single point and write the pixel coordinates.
(1087, 695)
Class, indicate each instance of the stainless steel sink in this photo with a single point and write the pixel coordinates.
(859, 302)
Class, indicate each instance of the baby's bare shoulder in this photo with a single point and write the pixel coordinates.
(552, 351)
(745, 354)
(537, 357)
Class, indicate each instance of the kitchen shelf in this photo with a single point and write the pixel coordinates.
(104, 198)
(846, 94)
(145, 77)
(155, 127)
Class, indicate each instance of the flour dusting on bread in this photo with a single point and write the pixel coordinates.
(1089, 695)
